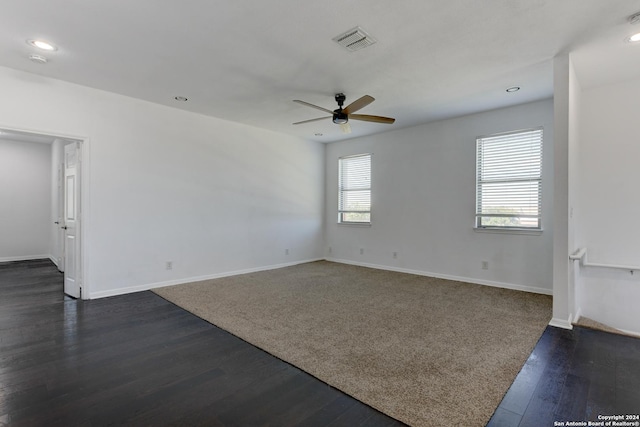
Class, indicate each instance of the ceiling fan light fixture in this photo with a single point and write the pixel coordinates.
(340, 118)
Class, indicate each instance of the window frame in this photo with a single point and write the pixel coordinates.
(517, 229)
(341, 210)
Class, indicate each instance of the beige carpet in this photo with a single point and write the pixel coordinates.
(426, 351)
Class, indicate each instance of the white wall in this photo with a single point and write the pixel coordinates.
(423, 203)
(573, 212)
(608, 203)
(25, 170)
(212, 196)
(564, 140)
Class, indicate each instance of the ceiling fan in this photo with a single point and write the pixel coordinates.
(341, 116)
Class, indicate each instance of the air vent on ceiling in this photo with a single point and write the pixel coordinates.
(354, 39)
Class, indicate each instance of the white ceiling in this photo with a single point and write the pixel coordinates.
(246, 60)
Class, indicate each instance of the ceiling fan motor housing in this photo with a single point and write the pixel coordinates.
(339, 117)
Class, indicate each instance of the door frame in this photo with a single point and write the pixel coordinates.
(85, 197)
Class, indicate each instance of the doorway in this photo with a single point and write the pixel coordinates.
(57, 231)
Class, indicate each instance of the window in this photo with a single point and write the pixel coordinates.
(354, 193)
(509, 180)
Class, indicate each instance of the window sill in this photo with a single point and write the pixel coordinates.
(524, 231)
(354, 224)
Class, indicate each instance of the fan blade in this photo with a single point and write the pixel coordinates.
(358, 104)
(346, 127)
(311, 120)
(313, 106)
(368, 118)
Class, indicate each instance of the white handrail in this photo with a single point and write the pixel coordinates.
(581, 255)
(578, 255)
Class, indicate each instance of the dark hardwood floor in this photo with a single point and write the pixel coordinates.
(574, 376)
(139, 360)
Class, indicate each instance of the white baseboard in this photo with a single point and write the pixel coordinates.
(633, 333)
(23, 258)
(531, 289)
(149, 286)
(561, 323)
(53, 260)
(146, 287)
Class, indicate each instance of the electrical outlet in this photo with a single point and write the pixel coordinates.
(395, 255)
(168, 265)
(286, 251)
(361, 251)
(485, 265)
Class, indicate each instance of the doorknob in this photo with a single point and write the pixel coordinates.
(64, 227)
(57, 222)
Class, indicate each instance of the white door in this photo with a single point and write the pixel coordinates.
(71, 225)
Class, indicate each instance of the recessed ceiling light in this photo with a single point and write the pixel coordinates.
(180, 98)
(44, 45)
(38, 59)
(634, 38)
(513, 89)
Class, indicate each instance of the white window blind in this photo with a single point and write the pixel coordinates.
(509, 180)
(354, 193)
